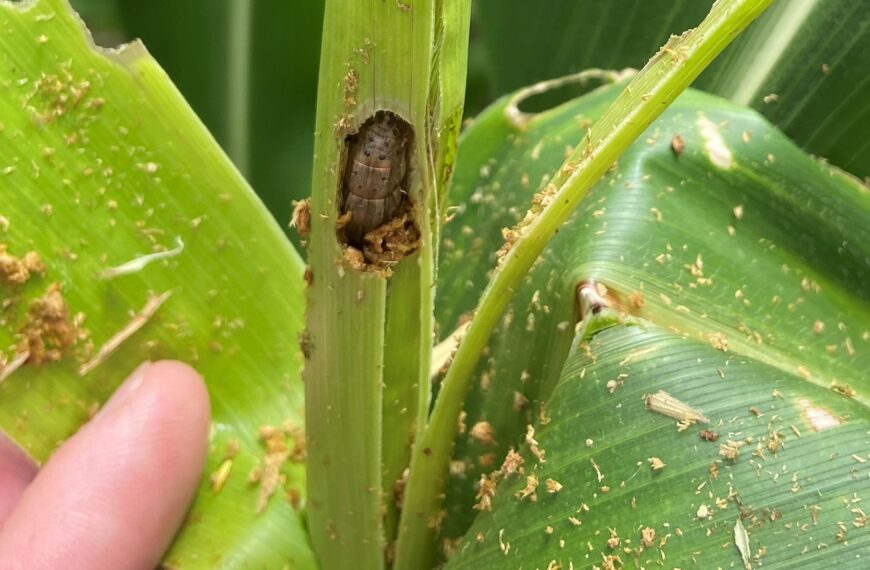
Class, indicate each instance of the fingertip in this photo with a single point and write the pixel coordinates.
(182, 398)
(136, 465)
(176, 370)
(184, 386)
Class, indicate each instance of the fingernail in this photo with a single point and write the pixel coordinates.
(123, 394)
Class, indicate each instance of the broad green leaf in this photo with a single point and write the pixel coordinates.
(159, 250)
(811, 55)
(249, 70)
(741, 240)
(623, 485)
(806, 67)
(666, 75)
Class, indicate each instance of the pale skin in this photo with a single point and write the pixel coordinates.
(114, 494)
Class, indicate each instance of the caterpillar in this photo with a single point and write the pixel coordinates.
(375, 174)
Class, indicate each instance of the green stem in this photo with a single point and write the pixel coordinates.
(367, 371)
(666, 75)
(410, 320)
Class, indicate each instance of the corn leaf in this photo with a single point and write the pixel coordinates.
(774, 478)
(158, 249)
(804, 64)
(712, 226)
(222, 54)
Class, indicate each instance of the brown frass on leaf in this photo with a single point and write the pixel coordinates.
(708, 435)
(483, 433)
(48, 331)
(17, 271)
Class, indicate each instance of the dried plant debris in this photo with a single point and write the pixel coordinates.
(48, 330)
(55, 95)
(648, 537)
(708, 435)
(656, 464)
(663, 403)
(387, 244)
(486, 488)
(843, 389)
(355, 258)
(8, 367)
(399, 486)
(730, 449)
(136, 323)
(483, 433)
(530, 490)
(553, 486)
(442, 353)
(540, 201)
(18, 271)
(219, 477)
(741, 540)
(513, 463)
(384, 246)
(613, 541)
(301, 219)
(534, 447)
(719, 342)
(283, 444)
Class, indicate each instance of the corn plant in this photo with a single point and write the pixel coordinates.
(625, 329)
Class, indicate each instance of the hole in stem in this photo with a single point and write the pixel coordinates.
(376, 224)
